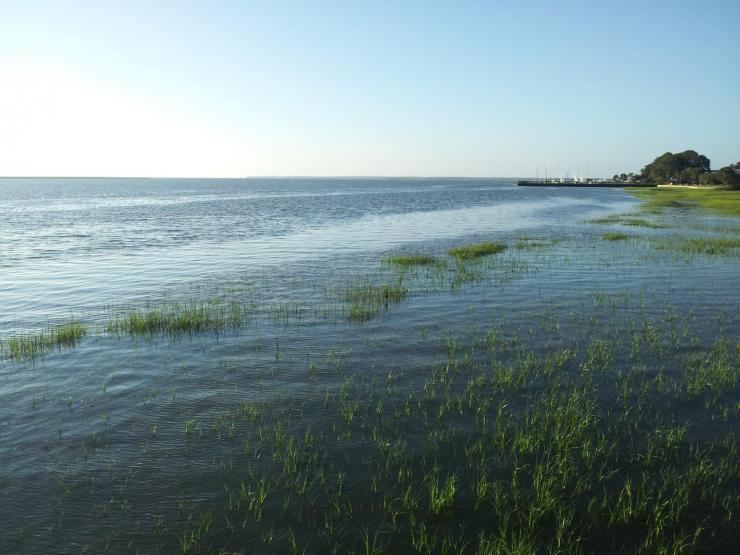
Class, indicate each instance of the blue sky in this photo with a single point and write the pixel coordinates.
(365, 88)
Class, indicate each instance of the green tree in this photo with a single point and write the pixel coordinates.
(728, 176)
(686, 166)
(690, 175)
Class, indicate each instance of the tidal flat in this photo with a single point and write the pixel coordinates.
(538, 390)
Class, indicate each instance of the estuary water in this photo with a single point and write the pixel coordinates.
(268, 431)
(72, 245)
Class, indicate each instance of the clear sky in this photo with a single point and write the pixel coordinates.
(457, 88)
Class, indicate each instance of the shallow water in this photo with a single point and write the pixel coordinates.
(92, 445)
(79, 244)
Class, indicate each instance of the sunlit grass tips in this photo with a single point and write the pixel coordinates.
(477, 250)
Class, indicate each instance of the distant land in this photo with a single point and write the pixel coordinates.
(684, 168)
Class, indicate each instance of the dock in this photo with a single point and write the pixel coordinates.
(578, 183)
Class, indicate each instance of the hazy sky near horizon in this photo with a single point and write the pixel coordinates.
(458, 88)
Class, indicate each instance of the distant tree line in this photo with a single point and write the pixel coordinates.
(687, 167)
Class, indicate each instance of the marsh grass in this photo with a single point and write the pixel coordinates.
(627, 219)
(496, 445)
(722, 246)
(716, 228)
(726, 202)
(366, 301)
(33, 345)
(713, 372)
(641, 222)
(190, 316)
(498, 449)
(620, 438)
(477, 250)
(410, 260)
(465, 275)
(441, 492)
(615, 236)
(534, 243)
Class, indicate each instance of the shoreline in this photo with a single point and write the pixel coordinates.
(704, 187)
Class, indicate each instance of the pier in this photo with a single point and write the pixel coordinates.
(578, 183)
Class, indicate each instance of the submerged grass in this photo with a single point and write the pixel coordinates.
(723, 246)
(615, 236)
(31, 346)
(626, 219)
(721, 201)
(498, 449)
(477, 250)
(715, 228)
(533, 243)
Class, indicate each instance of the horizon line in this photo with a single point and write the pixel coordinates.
(264, 177)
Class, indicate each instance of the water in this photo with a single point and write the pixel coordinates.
(80, 244)
(102, 445)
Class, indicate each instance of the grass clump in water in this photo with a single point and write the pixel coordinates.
(177, 318)
(407, 260)
(477, 250)
(367, 301)
(714, 374)
(360, 313)
(33, 345)
(642, 222)
(615, 236)
(441, 493)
